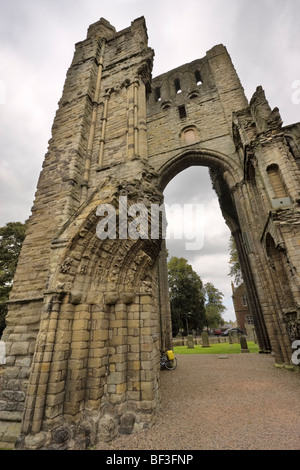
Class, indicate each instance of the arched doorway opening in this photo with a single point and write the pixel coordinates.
(225, 176)
(197, 230)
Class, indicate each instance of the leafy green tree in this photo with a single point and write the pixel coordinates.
(213, 317)
(235, 268)
(213, 306)
(186, 296)
(11, 239)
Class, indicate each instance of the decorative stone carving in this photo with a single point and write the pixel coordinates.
(66, 266)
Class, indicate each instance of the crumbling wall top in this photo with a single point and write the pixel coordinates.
(101, 29)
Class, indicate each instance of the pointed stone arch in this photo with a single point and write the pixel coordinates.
(227, 180)
(199, 156)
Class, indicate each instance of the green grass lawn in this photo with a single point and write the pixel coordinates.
(219, 348)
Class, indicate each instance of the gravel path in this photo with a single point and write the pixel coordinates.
(239, 403)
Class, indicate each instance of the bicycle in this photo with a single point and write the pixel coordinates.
(168, 361)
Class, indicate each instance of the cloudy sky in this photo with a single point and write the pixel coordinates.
(37, 40)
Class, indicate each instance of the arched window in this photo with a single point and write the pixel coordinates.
(251, 174)
(182, 111)
(157, 94)
(198, 78)
(177, 85)
(166, 105)
(193, 94)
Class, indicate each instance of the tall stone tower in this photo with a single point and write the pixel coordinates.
(89, 314)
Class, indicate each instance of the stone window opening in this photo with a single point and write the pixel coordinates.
(276, 181)
(157, 94)
(198, 77)
(177, 85)
(244, 300)
(166, 105)
(193, 95)
(182, 111)
(251, 176)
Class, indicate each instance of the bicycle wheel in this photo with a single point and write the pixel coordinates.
(171, 365)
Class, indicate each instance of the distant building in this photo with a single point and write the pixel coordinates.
(240, 303)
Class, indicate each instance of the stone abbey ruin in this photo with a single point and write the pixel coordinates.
(88, 317)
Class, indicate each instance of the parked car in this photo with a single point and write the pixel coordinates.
(217, 332)
(226, 333)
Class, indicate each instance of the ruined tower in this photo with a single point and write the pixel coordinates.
(88, 316)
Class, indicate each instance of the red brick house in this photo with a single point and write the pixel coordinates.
(240, 303)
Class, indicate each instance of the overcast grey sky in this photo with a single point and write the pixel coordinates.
(37, 39)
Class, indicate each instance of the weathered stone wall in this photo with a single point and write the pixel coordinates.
(208, 108)
(272, 221)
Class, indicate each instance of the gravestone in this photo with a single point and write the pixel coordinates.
(205, 339)
(244, 345)
(190, 342)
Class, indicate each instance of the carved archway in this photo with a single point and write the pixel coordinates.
(101, 321)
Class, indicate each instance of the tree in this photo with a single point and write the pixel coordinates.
(213, 316)
(235, 268)
(213, 306)
(186, 296)
(11, 240)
